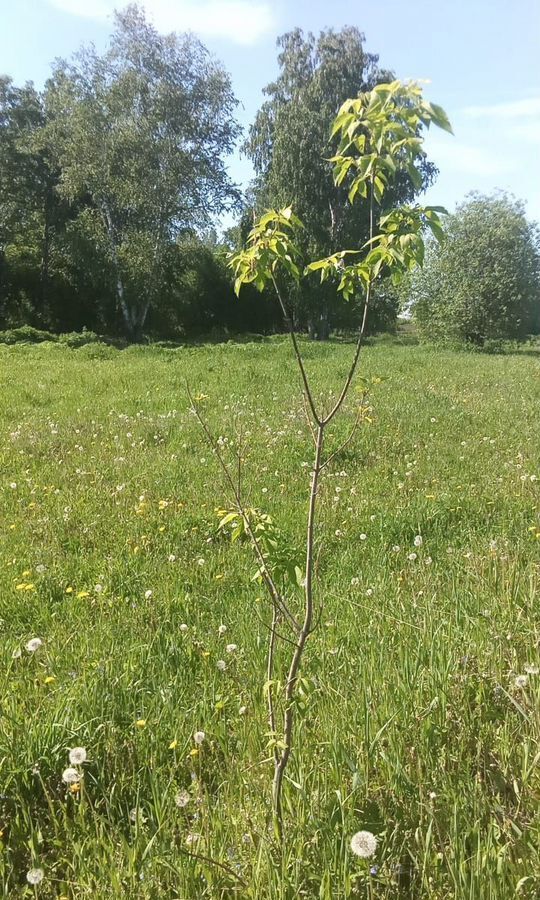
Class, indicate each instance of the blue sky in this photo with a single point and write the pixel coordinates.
(481, 56)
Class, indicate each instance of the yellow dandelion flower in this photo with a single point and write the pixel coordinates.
(29, 587)
(82, 594)
(74, 788)
(140, 723)
(161, 528)
(26, 573)
(49, 679)
(219, 577)
(69, 590)
(173, 745)
(21, 586)
(194, 752)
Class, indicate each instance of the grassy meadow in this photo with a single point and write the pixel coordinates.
(420, 712)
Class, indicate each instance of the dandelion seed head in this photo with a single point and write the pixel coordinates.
(34, 644)
(182, 799)
(363, 844)
(521, 681)
(221, 665)
(71, 775)
(77, 756)
(183, 627)
(199, 737)
(35, 876)
(230, 648)
(222, 629)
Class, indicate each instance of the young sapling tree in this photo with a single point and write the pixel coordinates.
(380, 135)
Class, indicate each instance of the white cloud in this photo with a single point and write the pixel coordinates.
(515, 109)
(241, 21)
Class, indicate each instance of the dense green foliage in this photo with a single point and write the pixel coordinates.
(105, 178)
(289, 145)
(414, 720)
(483, 283)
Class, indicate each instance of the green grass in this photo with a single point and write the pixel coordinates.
(412, 726)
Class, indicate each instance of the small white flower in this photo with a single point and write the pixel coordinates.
(148, 595)
(230, 648)
(221, 665)
(199, 737)
(34, 644)
(432, 795)
(355, 582)
(363, 537)
(242, 711)
(201, 561)
(396, 548)
(98, 588)
(531, 670)
(521, 681)
(192, 838)
(40, 569)
(418, 541)
(172, 557)
(363, 844)
(183, 627)
(182, 799)
(13, 485)
(71, 775)
(17, 653)
(428, 560)
(222, 629)
(77, 756)
(35, 876)
(369, 592)
(412, 557)
(136, 815)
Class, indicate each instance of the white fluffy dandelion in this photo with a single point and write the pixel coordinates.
(71, 775)
(531, 670)
(199, 737)
(418, 541)
(34, 644)
(182, 799)
(77, 756)
(183, 627)
(230, 648)
(35, 876)
(363, 844)
(222, 629)
(521, 681)
(221, 665)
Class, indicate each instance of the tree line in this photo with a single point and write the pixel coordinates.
(114, 175)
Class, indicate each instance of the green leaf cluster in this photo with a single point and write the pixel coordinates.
(380, 134)
(270, 245)
(282, 560)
